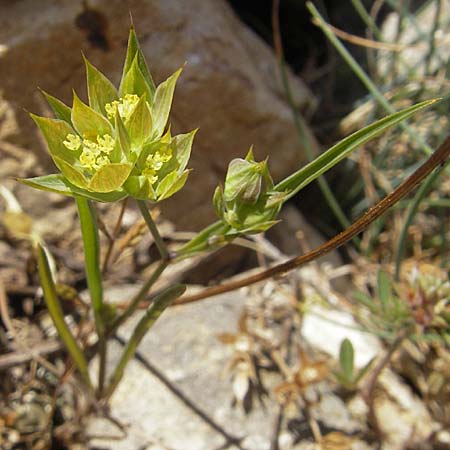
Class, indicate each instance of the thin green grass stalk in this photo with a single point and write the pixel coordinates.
(153, 230)
(376, 33)
(57, 315)
(432, 49)
(91, 243)
(304, 141)
(396, 57)
(364, 78)
(323, 184)
(410, 214)
(367, 19)
(159, 304)
(138, 298)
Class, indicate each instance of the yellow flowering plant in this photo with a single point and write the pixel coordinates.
(117, 145)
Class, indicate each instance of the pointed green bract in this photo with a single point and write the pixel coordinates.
(60, 185)
(55, 132)
(60, 109)
(140, 123)
(171, 184)
(110, 177)
(87, 122)
(139, 187)
(100, 90)
(69, 171)
(134, 82)
(134, 52)
(162, 102)
(243, 180)
(183, 145)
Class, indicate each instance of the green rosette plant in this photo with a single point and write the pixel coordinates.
(117, 145)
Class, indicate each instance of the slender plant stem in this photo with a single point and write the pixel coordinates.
(153, 230)
(91, 242)
(301, 131)
(409, 217)
(57, 315)
(138, 298)
(368, 392)
(364, 78)
(438, 158)
(114, 236)
(160, 303)
(432, 38)
(367, 18)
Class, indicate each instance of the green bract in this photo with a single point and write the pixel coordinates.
(117, 145)
(247, 203)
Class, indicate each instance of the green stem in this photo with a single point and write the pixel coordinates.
(299, 125)
(159, 304)
(367, 18)
(91, 243)
(410, 214)
(153, 230)
(364, 78)
(57, 315)
(138, 298)
(202, 241)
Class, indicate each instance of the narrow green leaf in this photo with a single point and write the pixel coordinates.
(100, 90)
(60, 109)
(346, 358)
(384, 289)
(134, 51)
(57, 315)
(162, 102)
(209, 237)
(110, 177)
(139, 124)
(362, 372)
(158, 306)
(343, 381)
(366, 301)
(219, 201)
(58, 184)
(331, 157)
(134, 82)
(68, 170)
(87, 122)
(91, 245)
(55, 132)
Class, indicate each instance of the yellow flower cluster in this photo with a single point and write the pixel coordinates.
(154, 163)
(124, 105)
(94, 155)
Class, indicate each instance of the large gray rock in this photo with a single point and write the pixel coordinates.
(229, 88)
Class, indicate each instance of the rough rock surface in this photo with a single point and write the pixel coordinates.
(229, 88)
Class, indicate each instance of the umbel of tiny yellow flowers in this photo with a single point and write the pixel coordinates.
(119, 143)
